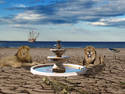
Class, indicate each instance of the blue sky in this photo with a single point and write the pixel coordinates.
(66, 20)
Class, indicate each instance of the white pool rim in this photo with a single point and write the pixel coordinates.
(83, 70)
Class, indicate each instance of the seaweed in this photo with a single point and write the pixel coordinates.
(62, 88)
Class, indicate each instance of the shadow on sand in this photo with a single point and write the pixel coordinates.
(94, 70)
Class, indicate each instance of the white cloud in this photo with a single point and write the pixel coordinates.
(29, 15)
(20, 6)
(99, 23)
(109, 21)
(112, 19)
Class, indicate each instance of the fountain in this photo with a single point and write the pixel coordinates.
(58, 59)
(57, 67)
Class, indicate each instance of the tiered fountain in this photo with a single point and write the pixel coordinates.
(58, 68)
(58, 60)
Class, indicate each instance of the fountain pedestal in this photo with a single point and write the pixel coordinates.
(58, 63)
(59, 68)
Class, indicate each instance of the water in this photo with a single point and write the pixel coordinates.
(48, 69)
(50, 44)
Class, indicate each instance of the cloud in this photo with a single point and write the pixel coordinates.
(2, 1)
(99, 23)
(25, 27)
(71, 11)
(20, 6)
(119, 22)
(29, 15)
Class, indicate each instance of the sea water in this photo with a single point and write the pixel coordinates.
(65, 44)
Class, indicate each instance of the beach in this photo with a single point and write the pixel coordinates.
(109, 79)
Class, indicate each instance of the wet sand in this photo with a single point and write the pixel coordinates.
(109, 79)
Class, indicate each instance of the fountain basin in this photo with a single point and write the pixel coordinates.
(46, 70)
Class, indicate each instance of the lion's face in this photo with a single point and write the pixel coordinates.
(89, 54)
(23, 54)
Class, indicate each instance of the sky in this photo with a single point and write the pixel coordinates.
(66, 20)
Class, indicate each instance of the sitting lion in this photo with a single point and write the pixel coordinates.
(91, 58)
(22, 58)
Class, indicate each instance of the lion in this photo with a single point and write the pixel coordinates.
(91, 58)
(20, 59)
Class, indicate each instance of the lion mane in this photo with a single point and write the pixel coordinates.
(91, 57)
(21, 58)
(23, 54)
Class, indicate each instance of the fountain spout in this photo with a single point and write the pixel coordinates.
(58, 46)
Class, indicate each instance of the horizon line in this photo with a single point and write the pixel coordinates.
(55, 41)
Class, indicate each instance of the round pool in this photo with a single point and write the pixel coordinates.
(46, 70)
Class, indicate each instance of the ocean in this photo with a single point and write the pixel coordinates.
(65, 44)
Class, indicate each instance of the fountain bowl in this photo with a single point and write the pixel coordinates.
(46, 70)
(55, 58)
(58, 52)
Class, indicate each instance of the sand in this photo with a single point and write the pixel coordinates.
(107, 79)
